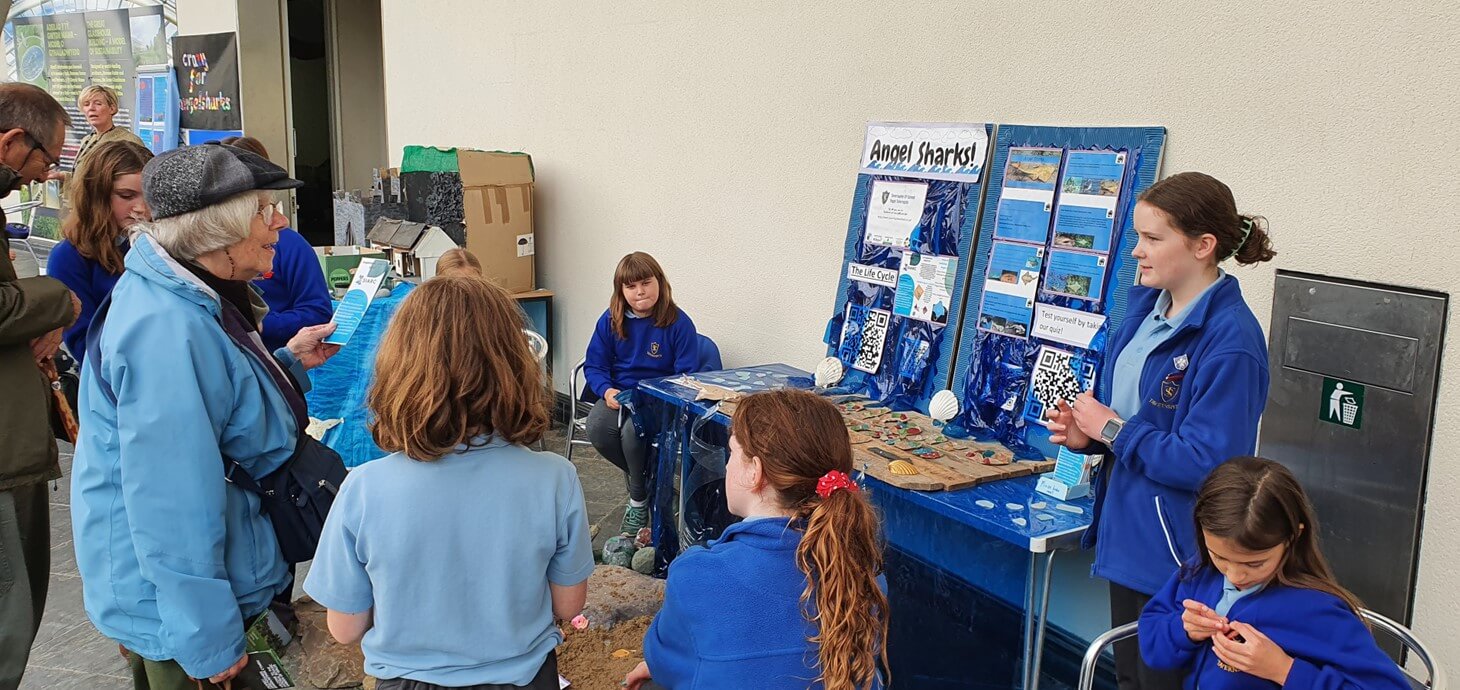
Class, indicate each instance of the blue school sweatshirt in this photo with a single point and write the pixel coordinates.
(1331, 647)
(295, 291)
(1202, 392)
(91, 283)
(647, 352)
(732, 615)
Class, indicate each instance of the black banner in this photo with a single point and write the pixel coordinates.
(207, 81)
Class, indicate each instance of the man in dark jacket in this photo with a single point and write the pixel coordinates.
(32, 313)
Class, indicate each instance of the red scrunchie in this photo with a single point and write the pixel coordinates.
(833, 480)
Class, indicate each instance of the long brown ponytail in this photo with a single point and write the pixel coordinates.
(798, 438)
(1259, 504)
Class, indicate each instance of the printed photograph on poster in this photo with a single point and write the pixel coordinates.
(1075, 274)
(894, 210)
(864, 332)
(1089, 191)
(925, 287)
(1027, 201)
(1010, 284)
(1057, 375)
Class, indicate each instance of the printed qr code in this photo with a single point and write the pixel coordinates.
(1054, 379)
(874, 336)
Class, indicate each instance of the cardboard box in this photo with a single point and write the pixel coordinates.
(497, 201)
(339, 262)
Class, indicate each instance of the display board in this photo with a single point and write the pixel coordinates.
(904, 270)
(1051, 274)
(156, 110)
(66, 52)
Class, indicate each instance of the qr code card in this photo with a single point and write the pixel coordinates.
(1057, 375)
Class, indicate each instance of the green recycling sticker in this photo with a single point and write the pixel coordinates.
(1342, 403)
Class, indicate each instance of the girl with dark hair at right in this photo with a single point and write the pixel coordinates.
(1259, 607)
(792, 597)
(1185, 382)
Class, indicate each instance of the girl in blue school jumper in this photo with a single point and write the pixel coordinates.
(295, 289)
(792, 597)
(106, 199)
(642, 335)
(1187, 380)
(450, 558)
(1258, 606)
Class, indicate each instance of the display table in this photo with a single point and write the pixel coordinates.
(340, 386)
(1000, 538)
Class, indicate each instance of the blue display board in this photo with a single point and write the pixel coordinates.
(1083, 264)
(905, 268)
(155, 115)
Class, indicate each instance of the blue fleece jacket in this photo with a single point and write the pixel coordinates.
(173, 557)
(1202, 393)
(648, 352)
(732, 615)
(295, 292)
(89, 280)
(1331, 647)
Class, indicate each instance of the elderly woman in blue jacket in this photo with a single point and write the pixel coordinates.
(175, 560)
(1187, 381)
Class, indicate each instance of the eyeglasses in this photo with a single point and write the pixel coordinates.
(267, 212)
(35, 145)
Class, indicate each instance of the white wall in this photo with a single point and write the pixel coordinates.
(724, 137)
(206, 16)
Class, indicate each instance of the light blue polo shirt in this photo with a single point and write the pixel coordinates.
(454, 557)
(1125, 385)
(1230, 595)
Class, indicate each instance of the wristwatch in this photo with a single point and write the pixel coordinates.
(1111, 430)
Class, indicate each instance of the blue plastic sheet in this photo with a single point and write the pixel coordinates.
(917, 355)
(341, 384)
(992, 371)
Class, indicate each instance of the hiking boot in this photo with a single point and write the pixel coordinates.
(635, 519)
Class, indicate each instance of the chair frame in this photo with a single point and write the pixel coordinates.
(576, 424)
(1412, 644)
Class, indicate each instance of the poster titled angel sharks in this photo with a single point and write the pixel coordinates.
(925, 150)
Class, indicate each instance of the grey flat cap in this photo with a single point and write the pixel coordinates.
(195, 177)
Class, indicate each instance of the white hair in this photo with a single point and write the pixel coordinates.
(190, 235)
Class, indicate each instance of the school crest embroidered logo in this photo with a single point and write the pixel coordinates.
(1171, 387)
(1182, 362)
(654, 350)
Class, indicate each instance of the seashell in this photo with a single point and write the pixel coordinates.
(902, 467)
(829, 372)
(944, 406)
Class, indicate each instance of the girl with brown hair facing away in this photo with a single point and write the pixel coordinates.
(106, 199)
(1259, 607)
(458, 262)
(450, 558)
(792, 597)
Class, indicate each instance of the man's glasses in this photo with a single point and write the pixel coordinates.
(35, 145)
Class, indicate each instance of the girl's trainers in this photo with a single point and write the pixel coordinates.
(635, 519)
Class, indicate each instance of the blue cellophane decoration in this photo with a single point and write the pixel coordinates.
(992, 371)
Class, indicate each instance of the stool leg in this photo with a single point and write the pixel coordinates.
(33, 255)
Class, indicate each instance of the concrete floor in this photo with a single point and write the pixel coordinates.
(70, 654)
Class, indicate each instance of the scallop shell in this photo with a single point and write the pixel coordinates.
(944, 406)
(829, 372)
(902, 467)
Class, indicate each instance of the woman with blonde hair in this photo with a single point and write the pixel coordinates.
(99, 105)
(449, 559)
